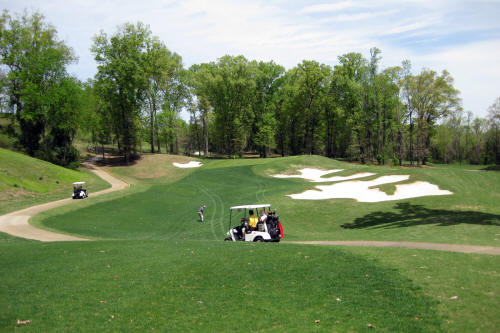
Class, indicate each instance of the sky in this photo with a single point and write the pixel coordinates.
(462, 37)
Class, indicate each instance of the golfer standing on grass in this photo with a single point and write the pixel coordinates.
(200, 212)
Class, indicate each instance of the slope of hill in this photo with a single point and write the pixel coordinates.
(26, 181)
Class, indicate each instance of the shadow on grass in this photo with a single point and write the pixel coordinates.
(412, 215)
(492, 168)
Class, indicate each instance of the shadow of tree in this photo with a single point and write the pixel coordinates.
(412, 215)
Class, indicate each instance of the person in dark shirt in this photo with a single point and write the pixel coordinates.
(201, 211)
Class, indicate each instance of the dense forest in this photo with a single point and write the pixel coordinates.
(355, 110)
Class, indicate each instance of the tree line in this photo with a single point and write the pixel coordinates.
(355, 110)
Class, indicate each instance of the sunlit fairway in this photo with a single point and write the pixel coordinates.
(160, 210)
(206, 286)
(155, 266)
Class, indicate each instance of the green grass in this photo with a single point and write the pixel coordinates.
(205, 286)
(153, 169)
(155, 266)
(443, 275)
(168, 210)
(26, 181)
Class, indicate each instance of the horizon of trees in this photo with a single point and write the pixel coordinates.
(355, 110)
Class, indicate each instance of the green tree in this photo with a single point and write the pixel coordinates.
(165, 85)
(492, 150)
(62, 122)
(313, 85)
(305, 89)
(406, 84)
(432, 97)
(268, 80)
(393, 127)
(229, 88)
(95, 117)
(478, 136)
(200, 109)
(347, 93)
(39, 90)
(122, 80)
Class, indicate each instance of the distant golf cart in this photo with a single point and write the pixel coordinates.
(268, 229)
(78, 191)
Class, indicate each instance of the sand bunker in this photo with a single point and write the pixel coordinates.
(192, 164)
(361, 191)
(316, 175)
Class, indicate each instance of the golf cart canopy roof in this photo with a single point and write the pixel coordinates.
(250, 206)
(78, 183)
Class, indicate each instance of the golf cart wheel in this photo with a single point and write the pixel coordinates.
(258, 239)
(227, 239)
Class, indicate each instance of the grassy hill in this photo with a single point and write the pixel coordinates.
(156, 267)
(26, 181)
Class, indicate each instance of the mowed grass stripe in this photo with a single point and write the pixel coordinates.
(200, 286)
(168, 211)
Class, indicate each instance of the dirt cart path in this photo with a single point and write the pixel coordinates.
(16, 223)
(413, 245)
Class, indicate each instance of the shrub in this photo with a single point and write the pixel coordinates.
(380, 159)
(73, 165)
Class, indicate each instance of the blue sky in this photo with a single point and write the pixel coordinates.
(460, 36)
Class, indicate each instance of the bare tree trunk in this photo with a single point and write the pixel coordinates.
(152, 138)
(205, 134)
(158, 143)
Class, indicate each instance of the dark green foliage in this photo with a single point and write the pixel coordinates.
(121, 81)
(40, 92)
(356, 110)
(139, 84)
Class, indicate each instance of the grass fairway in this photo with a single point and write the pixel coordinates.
(155, 266)
(27, 181)
(165, 207)
(205, 286)
(471, 278)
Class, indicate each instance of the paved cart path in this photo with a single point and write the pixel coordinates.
(412, 245)
(16, 223)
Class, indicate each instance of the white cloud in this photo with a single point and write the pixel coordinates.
(476, 70)
(288, 32)
(408, 27)
(327, 7)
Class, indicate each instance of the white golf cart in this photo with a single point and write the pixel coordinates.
(78, 191)
(268, 229)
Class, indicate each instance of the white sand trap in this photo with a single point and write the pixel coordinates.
(360, 191)
(192, 164)
(316, 175)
